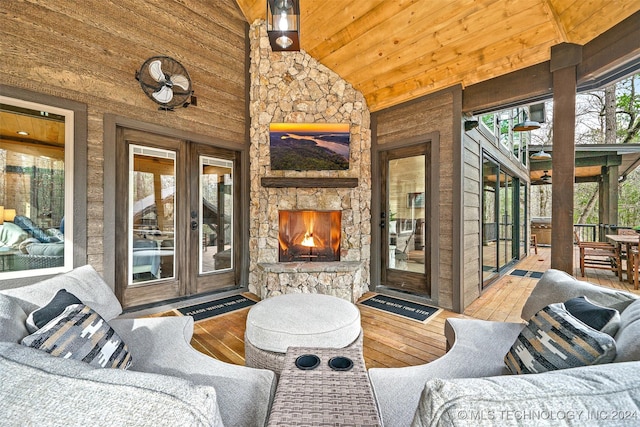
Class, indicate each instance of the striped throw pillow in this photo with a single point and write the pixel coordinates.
(554, 339)
(82, 334)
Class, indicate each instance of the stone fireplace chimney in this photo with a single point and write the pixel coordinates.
(292, 87)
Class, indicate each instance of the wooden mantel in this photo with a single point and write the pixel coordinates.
(284, 182)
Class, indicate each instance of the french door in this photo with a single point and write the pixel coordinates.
(176, 218)
(404, 210)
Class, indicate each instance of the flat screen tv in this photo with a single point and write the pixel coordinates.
(309, 146)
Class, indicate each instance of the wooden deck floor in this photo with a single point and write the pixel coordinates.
(391, 341)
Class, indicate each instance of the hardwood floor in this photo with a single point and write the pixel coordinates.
(391, 341)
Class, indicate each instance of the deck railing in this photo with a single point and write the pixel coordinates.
(596, 232)
(586, 232)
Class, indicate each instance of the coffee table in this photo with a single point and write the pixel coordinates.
(323, 396)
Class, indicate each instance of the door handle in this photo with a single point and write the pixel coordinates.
(383, 224)
(194, 225)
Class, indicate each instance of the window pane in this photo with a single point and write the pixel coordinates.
(216, 212)
(32, 188)
(407, 213)
(151, 214)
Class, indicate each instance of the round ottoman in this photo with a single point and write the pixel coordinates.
(298, 320)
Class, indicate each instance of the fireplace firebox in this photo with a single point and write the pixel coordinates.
(307, 235)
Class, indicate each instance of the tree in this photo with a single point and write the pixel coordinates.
(618, 121)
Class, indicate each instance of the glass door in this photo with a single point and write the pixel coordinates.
(505, 229)
(490, 243)
(211, 221)
(176, 230)
(501, 216)
(404, 211)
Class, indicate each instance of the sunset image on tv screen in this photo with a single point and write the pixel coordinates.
(309, 146)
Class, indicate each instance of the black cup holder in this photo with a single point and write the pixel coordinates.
(307, 362)
(340, 363)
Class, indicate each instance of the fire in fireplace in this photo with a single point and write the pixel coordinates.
(307, 235)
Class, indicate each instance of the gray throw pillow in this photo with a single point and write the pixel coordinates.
(80, 333)
(554, 339)
(60, 301)
(600, 318)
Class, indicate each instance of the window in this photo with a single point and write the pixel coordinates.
(501, 123)
(36, 188)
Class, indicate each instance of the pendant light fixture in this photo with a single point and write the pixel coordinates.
(541, 155)
(283, 25)
(525, 125)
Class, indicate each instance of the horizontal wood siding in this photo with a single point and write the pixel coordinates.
(90, 54)
(472, 216)
(410, 122)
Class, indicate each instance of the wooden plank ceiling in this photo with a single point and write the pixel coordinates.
(397, 50)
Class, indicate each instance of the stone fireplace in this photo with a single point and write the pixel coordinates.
(309, 235)
(292, 87)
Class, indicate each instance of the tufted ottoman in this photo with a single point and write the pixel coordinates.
(298, 320)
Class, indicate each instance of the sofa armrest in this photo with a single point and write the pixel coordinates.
(39, 389)
(589, 395)
(478, 351)
(557, 286)
(84, 282)
(161, 345)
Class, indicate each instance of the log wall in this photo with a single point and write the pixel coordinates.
(89, 52)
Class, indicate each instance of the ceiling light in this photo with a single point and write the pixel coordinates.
(541, 155)
(283, 25)
(525, 125)
(22, 132)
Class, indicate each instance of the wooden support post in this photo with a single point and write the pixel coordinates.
(564, 59)
(612, 195)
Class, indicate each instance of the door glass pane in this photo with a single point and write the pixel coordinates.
(506, 220)
(152, 187)
(36, 181)
(523, 219)
(489, 221)
(216, 212)
(406, 194)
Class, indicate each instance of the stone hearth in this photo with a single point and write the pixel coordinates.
(292, 87)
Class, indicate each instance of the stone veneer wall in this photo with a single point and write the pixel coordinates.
(292, 87)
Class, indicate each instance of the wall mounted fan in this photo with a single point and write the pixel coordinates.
(165, 81)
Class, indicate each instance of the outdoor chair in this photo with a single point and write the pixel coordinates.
(600, 255)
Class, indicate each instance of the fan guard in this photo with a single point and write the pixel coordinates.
(166, 82)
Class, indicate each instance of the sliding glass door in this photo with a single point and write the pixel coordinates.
(501, 218)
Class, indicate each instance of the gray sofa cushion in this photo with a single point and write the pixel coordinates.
(161, 345)
(557, 286)
(84, 282)
(72, 393)
(628, 336)
(12, 320)
(591, 395)
(478, 351)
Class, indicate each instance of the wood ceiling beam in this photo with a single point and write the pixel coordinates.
(611, 50)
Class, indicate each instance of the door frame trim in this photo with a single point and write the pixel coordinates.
(111, 123)
(433, 182)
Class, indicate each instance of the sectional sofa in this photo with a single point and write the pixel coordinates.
(472, 385)
(168, 382)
